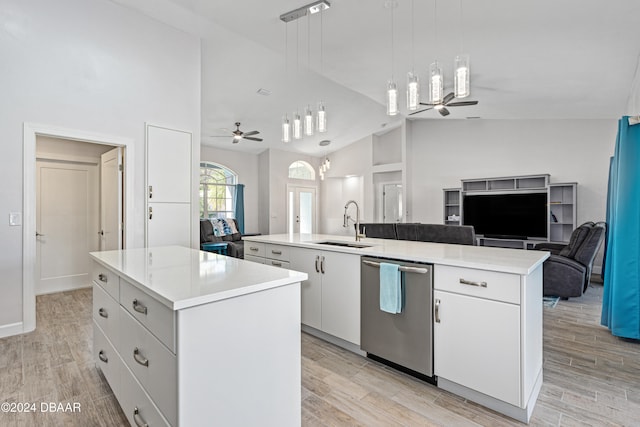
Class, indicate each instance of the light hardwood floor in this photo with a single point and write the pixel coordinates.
(590, 377)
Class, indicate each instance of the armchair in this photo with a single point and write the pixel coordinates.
(567, 272)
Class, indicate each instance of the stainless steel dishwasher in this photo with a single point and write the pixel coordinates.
(403, 340)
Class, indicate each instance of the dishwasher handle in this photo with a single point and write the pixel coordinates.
(403, 268)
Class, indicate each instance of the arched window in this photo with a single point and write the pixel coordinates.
(302, 170)
(217, 188)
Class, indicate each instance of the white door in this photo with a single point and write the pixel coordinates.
(301, 210)
(66, 221)
(168, 187)
(111, 200)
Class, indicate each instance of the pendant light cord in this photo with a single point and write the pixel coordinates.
(413, 45)
(391, 6)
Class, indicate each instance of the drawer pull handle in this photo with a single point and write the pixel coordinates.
(102, 277)
(139, 307)
(140, 422)
(436, 312)
(322, 265)
(103, 313)
(140, 358)
(276, 263)
(276, 252)
(102, 356)
(253, 248)
(471, 283)
(317, 259)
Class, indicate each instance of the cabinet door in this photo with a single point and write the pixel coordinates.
(477, 345)
(341, 295)
(308, 261)
(169, 224)
(168, 165)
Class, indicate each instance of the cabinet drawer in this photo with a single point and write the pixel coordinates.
(106, 278)
(155, 316)
(480, 283)
(107, 359)
(252, 258)
(137, 405)
(253, 248)
(105, 313)
(152, 364)
(278, 252)
(277, 263)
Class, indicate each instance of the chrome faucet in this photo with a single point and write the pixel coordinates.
(357, 221)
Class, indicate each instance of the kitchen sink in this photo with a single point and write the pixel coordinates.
(343, 244)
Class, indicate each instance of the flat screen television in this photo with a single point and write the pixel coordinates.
(507, 216)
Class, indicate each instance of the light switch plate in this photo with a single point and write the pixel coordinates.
(15, 218)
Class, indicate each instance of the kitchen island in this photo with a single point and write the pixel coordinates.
(487, 313)
(191, 338)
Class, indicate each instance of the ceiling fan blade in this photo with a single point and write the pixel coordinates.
(218, 136)
(420, 111)
(443, 112)
(426, 103)
(448, 98)
(462, 103)
(253, 132)
(250, 138)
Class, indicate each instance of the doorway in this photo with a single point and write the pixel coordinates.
(301, 209)
(72, 170)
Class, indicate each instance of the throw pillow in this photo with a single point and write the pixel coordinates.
(218, 227)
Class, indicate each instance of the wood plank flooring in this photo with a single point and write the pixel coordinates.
(590, 376)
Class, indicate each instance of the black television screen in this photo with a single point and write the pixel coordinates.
(515, 215)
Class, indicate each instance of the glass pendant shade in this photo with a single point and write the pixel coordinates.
(435, 84)
(297, 126)
(392, 98)
(286, 129)
(413, 91)
(321, 173)
(461, 77)
(327, 163)
(321, 117)
(308, 121)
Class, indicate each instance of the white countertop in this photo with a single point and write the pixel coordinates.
(181, 277)
(516, 261)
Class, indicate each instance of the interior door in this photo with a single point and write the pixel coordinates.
(66, 221)
(111, 200)
(301, 210)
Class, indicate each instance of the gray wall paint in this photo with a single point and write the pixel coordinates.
(95, 67)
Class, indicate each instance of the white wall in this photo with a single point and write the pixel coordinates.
(93, 66)
(446, 151)
(349, 178)
(246, 166)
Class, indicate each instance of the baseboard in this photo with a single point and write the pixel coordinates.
(354, 348)
(11, 329)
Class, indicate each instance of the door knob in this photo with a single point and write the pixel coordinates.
(39, 235)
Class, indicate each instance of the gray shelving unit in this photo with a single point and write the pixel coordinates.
(451, 205)
(562, 211)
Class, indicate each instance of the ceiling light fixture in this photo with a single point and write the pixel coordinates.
(392, 88)
(311, 8)
(461, 68)
(413, 82)
(306, 125)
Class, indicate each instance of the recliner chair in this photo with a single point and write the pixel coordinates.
(567, 272)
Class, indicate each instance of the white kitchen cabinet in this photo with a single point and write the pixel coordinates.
(488, 336)
(331, 297)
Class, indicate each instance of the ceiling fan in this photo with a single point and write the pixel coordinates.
(446, 102)
(238, 134)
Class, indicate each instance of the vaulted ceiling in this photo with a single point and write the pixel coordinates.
(546, 59)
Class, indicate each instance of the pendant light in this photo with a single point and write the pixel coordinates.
(297, 126)
(413, 83)
(308, 121)
(392, 88)
(436, 81)
(461, 68)
(286, 129)
(321, 115)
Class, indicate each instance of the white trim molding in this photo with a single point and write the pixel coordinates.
(30, 132)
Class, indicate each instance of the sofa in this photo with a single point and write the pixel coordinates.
(435, 233)
(235, 244)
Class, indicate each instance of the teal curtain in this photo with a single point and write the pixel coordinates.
(621, 300)
(238, 207)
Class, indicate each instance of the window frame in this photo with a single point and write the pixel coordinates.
(222, 186)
